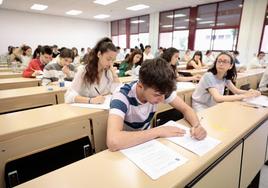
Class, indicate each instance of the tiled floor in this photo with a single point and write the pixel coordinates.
(264, 177)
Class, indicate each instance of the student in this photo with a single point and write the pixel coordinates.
(120, 55)
(131, 65)
(77, 60)
(263, 86)
(97, 78)
(36, 53)
(26, 56)
(196, 61)
(55, 51)
(147, 53)
(257, 62)
(171, 55)
(63, 67)
(239, 66)
(187, 56)
(15, 56)
(133, 107)
(159, 52)
(36, 66)
(235, 55)
(208, 58)
(210, 89)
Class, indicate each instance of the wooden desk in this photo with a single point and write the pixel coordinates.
(27, 132)
(126, 79)
(30, 97)
(10, 74)
(229, 122)
(195, 71)
(13, 83)
(5, 69)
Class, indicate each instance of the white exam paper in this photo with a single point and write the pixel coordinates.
(154, 158)
(105, 105)
(200, 147)
(259, 101)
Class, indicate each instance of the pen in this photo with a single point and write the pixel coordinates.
(97, 90)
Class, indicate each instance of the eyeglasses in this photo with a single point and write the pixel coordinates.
(219, 61)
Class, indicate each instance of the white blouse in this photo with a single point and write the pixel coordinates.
(79, 87)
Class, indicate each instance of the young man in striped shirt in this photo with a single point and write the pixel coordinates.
(133, 107)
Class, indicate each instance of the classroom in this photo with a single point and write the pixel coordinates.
(139, 94)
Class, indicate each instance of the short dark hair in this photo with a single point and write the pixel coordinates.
(261, 52)
(67, 53)
(231, 74)
(157, 74)
(45, 50)
(147, 46)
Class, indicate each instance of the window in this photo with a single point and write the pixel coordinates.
(174, 29)
(264, 43)
(218, 26)
(137, 31)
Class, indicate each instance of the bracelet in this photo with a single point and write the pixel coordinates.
(89, 100)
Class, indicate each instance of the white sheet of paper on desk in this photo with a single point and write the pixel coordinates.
(258, 101)
(200, 147)
(185, 85)
(154, 158)
(105, 105)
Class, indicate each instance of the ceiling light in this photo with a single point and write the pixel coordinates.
(102, 16)
(206, 22)
(73, 12)
(166, 26)
(198, 19)
(104, 2)
(240, 5)
(180, 27)
(137, 21)
(1, 1)
(138, 7)
(220, 24)
(39, 7)
(176, 16)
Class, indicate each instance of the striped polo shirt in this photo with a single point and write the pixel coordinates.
(136, 115)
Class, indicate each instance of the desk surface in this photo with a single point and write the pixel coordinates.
(23, 122)
(10, 74)
(228, 122)
(29, 91)
(195, 71)
(12, 83)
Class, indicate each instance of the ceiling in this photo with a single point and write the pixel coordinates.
(117, 10)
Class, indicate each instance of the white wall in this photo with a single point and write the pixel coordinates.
(33, 29)
(251, 29)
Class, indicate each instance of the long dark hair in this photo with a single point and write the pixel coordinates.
(92, 60)
(167, 55)
(231, 73)
(199, 53)
(131, 57)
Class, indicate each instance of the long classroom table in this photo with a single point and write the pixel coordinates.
(233, 163)
(13, 83)
(10, 74)
(30, 97)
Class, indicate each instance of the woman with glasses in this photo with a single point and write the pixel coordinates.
(210, 89)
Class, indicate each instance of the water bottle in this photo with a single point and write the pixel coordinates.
(61, 79)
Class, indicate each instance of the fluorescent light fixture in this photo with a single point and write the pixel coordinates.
(102, 16)
(104, 2)
(220, 24)
(176, 16)
(137, 21)
(73, 12)
(39, 7)
(180, 27)
(186, 20)
(240, 5)
(1, 1)
(166, 26)
(206, 22)
(138, 7)
(198, 19)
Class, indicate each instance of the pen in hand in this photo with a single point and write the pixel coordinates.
(97, 90)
